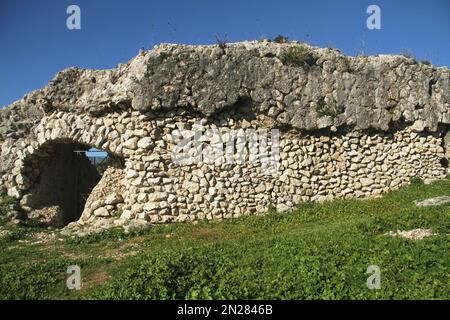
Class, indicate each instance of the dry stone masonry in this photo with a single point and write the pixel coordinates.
(348, 127)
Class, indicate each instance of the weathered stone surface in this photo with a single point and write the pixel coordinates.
(113, 199)
(433, 201)
(415, 234)
(382, 120)
(101, 212)
(50, 216)
(368, 92)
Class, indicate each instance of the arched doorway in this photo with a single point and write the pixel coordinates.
(63, 175)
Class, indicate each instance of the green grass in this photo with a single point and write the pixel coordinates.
(320, 251)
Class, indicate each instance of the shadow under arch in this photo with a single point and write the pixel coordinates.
(61, 176)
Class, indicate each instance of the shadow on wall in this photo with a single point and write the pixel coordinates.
(66, 174)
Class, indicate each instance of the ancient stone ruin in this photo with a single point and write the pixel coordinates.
(348, 127)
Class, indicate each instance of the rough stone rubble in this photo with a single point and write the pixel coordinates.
(350, 127)
(415, 234)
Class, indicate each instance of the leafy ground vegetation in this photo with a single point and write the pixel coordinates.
(320, 251)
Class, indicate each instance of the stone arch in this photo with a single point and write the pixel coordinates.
(60, 179)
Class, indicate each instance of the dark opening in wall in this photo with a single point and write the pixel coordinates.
(444, 162)
(66, 174)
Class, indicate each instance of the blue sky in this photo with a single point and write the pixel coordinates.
(35, 43)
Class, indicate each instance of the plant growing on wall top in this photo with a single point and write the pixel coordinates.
(347, 64)
(221, 42)
(281, 39)
(298, 56)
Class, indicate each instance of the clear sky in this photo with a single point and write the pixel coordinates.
(36, 44)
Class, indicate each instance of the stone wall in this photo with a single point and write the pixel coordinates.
(348, 127)
(312, 168)
(152, 187)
